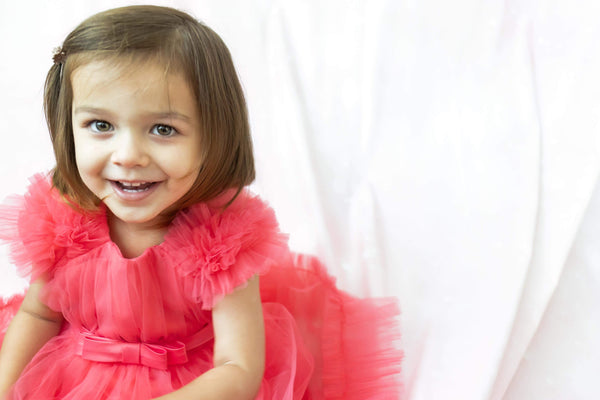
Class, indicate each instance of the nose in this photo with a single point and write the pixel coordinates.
(129, 151)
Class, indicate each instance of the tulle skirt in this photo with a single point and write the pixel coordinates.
(321, 343)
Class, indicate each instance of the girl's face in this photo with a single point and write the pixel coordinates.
(137, 137)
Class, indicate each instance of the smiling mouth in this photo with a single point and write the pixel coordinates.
(134, 187)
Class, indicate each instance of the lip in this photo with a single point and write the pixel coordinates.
(131, 196)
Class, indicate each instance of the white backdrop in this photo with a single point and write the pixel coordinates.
(444, 152)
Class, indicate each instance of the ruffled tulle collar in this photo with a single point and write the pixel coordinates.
(77, 232)
(211, 248)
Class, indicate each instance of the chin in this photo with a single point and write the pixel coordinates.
(133, 218)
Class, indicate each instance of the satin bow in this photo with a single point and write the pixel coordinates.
(101, 349)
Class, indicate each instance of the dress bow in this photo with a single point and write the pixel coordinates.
(101, 349)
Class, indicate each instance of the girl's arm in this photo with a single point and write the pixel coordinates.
(32, 326)
(239, 350)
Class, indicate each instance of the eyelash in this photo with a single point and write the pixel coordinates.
(93, 125)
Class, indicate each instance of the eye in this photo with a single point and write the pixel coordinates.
(100, 126)
(163, 130)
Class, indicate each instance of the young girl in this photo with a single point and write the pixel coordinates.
(145, 249)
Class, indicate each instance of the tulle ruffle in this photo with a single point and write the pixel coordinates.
(218, 251)
(43, 231)
(355, 341)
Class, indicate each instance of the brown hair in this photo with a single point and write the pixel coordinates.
(182, 44)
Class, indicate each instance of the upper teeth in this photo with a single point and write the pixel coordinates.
(132, 184)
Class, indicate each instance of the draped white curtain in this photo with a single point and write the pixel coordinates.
(443, 152)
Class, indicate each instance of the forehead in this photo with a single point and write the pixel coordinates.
(145, 84)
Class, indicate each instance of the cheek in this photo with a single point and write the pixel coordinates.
(87, 157)
(182, 165)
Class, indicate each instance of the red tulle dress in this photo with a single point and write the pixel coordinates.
(139, 328)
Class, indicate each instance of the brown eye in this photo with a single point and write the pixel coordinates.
(101, 126)
(163, 130)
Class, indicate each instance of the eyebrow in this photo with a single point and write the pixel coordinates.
(158, 115)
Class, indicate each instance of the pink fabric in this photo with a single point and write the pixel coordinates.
(130, 322)
(8, 308)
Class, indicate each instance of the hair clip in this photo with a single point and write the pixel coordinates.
(59, 55)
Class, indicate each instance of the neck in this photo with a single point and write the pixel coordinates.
(133, 239)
